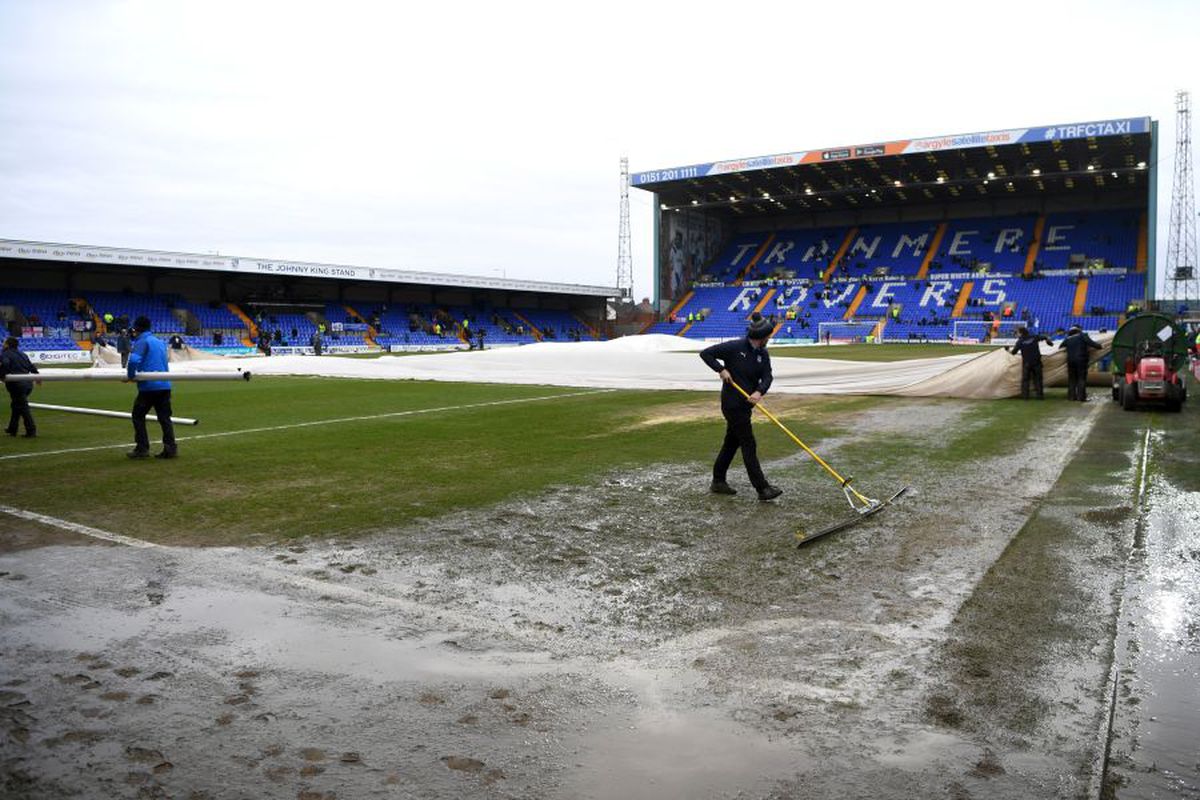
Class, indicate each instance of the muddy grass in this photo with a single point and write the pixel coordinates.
(633, 638)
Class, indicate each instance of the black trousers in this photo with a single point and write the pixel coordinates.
(19, 402)
(739, 435)
(1077, 380)
(160, 401)
(1031, 372)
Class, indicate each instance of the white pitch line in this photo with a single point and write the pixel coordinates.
(75, 527)
(314, 423)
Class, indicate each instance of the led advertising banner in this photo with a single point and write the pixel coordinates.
(1076, 130)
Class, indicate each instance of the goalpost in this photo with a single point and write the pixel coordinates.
(981, 331)
(847, 332)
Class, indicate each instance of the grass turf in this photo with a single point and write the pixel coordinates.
(248, 476)
(279, 458)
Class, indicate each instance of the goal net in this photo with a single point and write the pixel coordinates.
(847, 331)
(981, 331)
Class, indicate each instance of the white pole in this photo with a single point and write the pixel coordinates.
(88, 375)
(99, 412)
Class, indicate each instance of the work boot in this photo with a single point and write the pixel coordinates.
(721, 487)
(167, 454)
(138, 454)
(769, 492)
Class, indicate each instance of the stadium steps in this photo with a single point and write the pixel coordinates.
(963, 296)
(1081, 290)
(855, 303)
(592, 332)
(752, 263)
(1142, 239)
(923, 272)
(841, 252)
(249, 323)
(687, 298)
(537, 334)
(369, 336)
(1035, 245)
(762, 301)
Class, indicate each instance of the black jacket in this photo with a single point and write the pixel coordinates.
(14, 362)
(1029, 349)
(749, 366)
(1077, 345)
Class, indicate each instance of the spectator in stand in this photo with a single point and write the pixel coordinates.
(1028, 345)
(149, 354)
(14, 362)
(316, 342)
(176, 341)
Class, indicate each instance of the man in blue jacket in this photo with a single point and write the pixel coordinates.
(149, 354)
(746, 363)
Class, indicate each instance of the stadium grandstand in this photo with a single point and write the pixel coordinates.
(59, 298)
(948, 238)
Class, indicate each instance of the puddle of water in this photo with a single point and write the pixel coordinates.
(1158, 715)
(256, 628)
(671, 752)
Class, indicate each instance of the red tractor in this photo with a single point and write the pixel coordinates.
(1150, 356)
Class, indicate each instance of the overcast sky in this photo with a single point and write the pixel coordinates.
(485, 138)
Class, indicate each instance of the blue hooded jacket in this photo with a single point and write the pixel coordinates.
(148, 355)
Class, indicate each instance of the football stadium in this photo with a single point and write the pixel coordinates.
(426, 535)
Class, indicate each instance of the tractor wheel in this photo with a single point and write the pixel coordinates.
(1129, 396)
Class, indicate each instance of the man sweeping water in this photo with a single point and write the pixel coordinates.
(746, 363)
